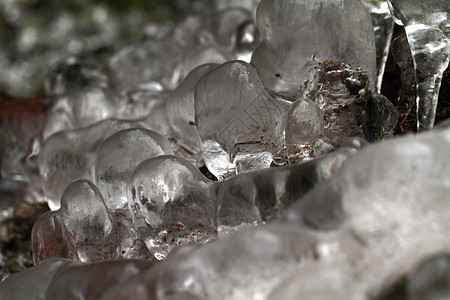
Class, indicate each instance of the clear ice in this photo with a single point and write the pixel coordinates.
(170, 204)
(119, 155)
(220, 157)
(338, 30)
(244, 122)
(427, 26)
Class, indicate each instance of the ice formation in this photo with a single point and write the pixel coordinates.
(243, 152)
(427, 28)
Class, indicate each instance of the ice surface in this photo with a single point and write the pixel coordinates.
(240, 266)
(90, 281)
(81, 109)
(402, 55)
(87, 221)
(431, 278)
(71, 74)
(32, 283)
(118, 156)
(340, 92)
(305, 123)
(170, 204)
(49, 238)
(176, 117)
(311, 282)
(234, 112)
(69, 155)
(296, 32)
(259, 197)
(380, 208)
(383, 27)
(426, 25)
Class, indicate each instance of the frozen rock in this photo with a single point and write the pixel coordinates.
(296, 32)
(71, 75)
(381, 116)
(118, 156)
(170, 204)
(32, 283)
(90, 281)
(234, 112)
(426, 25)
(431, 278)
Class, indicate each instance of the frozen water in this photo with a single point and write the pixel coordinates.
(259, 197)
(244, 265)
(402, 55)
(119, 155)
(315, 283)
(431, 278)
(340, 94)
(296, 32)
(305, 123)
(81, 109)
(383, 27)
(380, 208)
(71, 75)
(90, 281)
(427, 26)
(170, 204)
(69, 155)
(176, 117)
(49, 238)
(87, 221)
(234, 111)
(32, 283)
(249, 5)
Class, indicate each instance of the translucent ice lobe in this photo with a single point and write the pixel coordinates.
(176, 117)
(67, 156)
(170, 204)
(86, 219)
(235, 111)
(296, 32)
(49, 238)
(305, 123)
(427, 28)
(117, 157)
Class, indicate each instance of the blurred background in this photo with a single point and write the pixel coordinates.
(34, 34)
